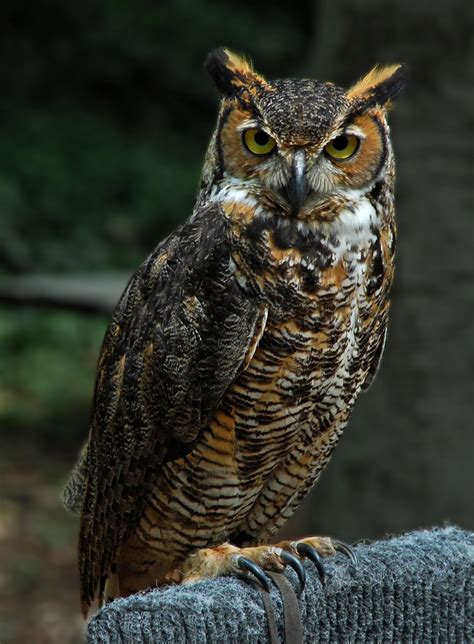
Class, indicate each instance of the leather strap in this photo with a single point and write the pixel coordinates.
(274, 637)
(293, 626)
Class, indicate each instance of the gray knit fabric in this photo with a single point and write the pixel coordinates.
(414, 588)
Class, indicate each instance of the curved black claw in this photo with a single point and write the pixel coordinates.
(297, 566)
(305, 550)
(247, 564)
(343, 548)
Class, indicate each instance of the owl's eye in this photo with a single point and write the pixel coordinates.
(342, 147)
(258, 142)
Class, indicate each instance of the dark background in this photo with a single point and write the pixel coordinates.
(105, 114)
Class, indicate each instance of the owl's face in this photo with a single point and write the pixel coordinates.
(297, 143)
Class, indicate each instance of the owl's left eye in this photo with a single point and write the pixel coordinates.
(258, 141)
(342, 147)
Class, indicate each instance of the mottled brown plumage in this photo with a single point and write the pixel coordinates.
(238, 349)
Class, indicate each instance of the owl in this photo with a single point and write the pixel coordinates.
(237, 351)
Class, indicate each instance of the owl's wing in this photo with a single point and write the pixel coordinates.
(180, 335)
(73, 493)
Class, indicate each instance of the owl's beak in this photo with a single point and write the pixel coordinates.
(297, 187)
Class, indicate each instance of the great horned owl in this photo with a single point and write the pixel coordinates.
(238, 349)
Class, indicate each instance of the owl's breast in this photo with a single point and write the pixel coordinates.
(292, 262)
(327, 290)
(327, 311)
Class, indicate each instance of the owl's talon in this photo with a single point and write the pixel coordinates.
(306, 550)
(343, 548)
(249, 566)
(297, 566)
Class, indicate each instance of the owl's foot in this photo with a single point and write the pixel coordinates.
(228, 559)
(315, 548)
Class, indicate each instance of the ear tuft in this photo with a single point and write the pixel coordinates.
(380, 85)
(230, 71)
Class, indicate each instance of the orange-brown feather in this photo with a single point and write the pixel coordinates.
(367, 83)
(238, 161)
(359, 169)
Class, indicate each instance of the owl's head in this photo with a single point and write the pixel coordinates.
(295, 143)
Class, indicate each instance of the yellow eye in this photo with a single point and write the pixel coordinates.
(258, 142)
(342, 147)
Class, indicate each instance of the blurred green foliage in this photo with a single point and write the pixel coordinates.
(46, 390)
(106, 117)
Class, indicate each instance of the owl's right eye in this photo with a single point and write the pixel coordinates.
(258, 141)
(342, 147)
